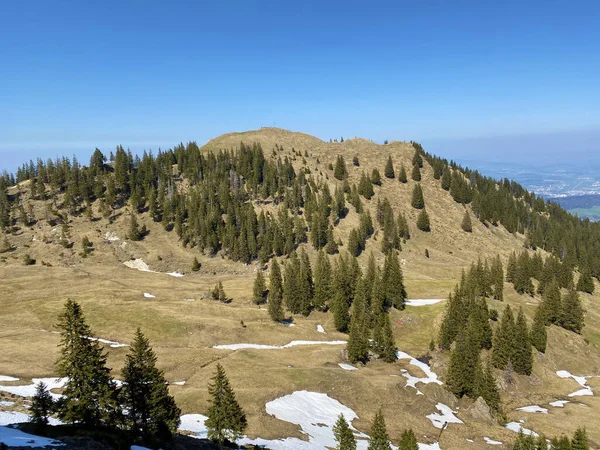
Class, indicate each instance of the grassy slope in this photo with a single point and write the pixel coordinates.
(182, 331)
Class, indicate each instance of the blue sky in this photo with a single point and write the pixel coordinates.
(149, 74)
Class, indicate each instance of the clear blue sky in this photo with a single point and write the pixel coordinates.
(149, 74)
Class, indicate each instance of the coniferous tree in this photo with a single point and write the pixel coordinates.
(134, 230)
(379, 438)
(260, 289)
(343, 294)
(387, 345)
(343, 435)
(402, 175)
(466, 223)
(487, 387)
(42, 405)
(358, 343)
(551, 303)
(538, 330)
(323, 285)
(416, 173)
(511, 269)
(355, 160)
(502, 350)
(389, 168)
(354, 247)
(464, 362)
(89, 394)
(423, 221)
(446, 179)
(585, 282)
(522, 357)
(418, 202)
(402, 224)
(226, 419)
(522, 275)
(332, 247)
(196, 265)
(145, 392)
(572, 316)
(376, 177)
(562, 443)
(340, 168)
(291, 285)
(305, 284)
(365, 187)
(275, 293)
(408, 441)
(393, 282)
(580, 440)
(497, 278)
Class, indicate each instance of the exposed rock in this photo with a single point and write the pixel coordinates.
(479, 411)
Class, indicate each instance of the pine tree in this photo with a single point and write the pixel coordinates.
(340, 168)
(260, 289)
(89, 394)
(511, 269)
(196, 265)
(446, 179)
(487, 387)
(354, 247)
(42, 405)
(408, 441)
(332, 247)
(387, 346)
(379, 439)
(572, 317)
(402, 175)
(580, 440)
(423, 221)
(376, 177)
(464, 362)
(323, 285)
(561, 443)
(497, 278)
(466, 223)
(134, 231)
(585, 282)
(389, 168)
(502, 350)
(151, 410)
(305, 284)
(418, 202)
(343, 435)
(522, 357)
(551, 303)
(416, 173)
(226, 419)
(291, 285)
(275, 293)
(358, 343)
(538, 330)
(393, 281)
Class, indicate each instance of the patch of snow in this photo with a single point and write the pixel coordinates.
(149, 295)
(446, 416)
(516, 427)
(347, 366)
(434, 446)
(12, 417)
(533, 409)
(195, 424)
(6, 403)
(430, 377)
(579, 380)
(320, 329)
(137, 447)
(111, 237)
(470, 440)
(275, 347)
(113, 344)
(491, 441)
(559, 403)
(178, 383)
(16, 438)
(422, 301)
(29, 389)
(138, 264)
(7, 378)
(175, 274)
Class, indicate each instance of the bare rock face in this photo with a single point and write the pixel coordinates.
(479, 412)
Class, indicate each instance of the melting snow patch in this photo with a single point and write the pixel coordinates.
(446, 416)
(149, 295)
(274, 347)
(517, 428)
(533, 409)
(6, 403)
(111, 237)
(29, 390)
(491, 441)
(430, 377)
(137, 447)
(175, 274)
(16, 438)
(422, 301)
(580, 380)
(195, 424)
(7, 378)
(320, 329)
(347, 366)
(434, 446)
(559, 403)
(178, 383)
(140, 265)
(113, 344)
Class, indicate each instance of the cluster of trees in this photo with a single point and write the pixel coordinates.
(394, 230)
(141, 404)
(578, 442)
(378, 438)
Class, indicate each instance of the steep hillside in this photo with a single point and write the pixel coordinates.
(173, 196)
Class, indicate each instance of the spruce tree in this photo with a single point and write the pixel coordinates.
(418, 202)
(538, 330)
(331, 247)
(446, 179)
(387, 346)
(551, 303)
(423, 221)
(511, 269)
(572, 317)
(340, 172)
(502, 350)
(358, 343)
(497, 278)
(343, 435)
(354, 247)
(226, 419)
(145, 392)
(393, 281)
(376, 177)
(89, 394)
(416, 173)
(275, 295)
(292, 286)
(580, 440)
(196, 265)
(408, 441)
(466, 223)
(260, 289)
(464, 362)
(323, 284)
(379, 439)
(487, 387)
(389, 168)
(402, 175)
(585, 282)
(522, 357)
(134, 231)
(42, 405)
(305, 284)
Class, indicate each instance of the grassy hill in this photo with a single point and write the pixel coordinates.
(183, 323)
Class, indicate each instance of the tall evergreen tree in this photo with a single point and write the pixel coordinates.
(585, 283)
(42, 405)
(487, 387)
(260, 289)
(416, 173)
(340, 168)
(572, 317)
(522, 358)
(323, 282)
(497, 278)
(423, 221)
(379, 438)
(358, 342)
(408, 441)
(151, 410)
(464, 362)
(551, 303)
(226, 419)
(275, 293)
(387, 345)
(580, 440)
(393, 281)
(292, 285)
(446, 179)
(418, 202)
(402, 175)
(389, 168)
(89, 394)
(376, 177)
(305, 282)
(466, 224)
(344, 437)
(503, 348)
(538, 330)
